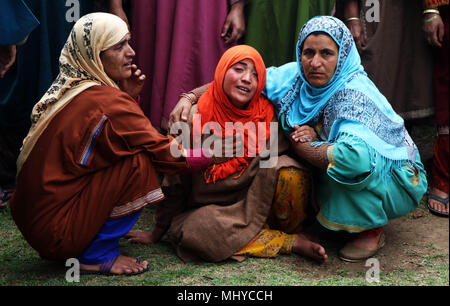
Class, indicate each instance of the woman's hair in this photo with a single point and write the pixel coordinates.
(317, 33)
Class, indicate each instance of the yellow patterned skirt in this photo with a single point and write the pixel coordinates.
(292, 196)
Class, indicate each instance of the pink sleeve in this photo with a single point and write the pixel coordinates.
(198, 159)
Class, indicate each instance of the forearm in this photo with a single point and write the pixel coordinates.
(115, 4)
(195, 93)
(351, 9)
(316, 156)
(199, 91)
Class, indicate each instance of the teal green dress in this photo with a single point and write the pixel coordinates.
(374, 169)
(357, 194)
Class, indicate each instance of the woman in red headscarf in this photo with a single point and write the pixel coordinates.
(239, 207)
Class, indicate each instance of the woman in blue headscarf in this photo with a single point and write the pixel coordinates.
(370, 169)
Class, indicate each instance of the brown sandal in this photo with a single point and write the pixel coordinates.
(351, 253)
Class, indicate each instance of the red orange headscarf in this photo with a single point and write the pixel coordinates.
(214, 106)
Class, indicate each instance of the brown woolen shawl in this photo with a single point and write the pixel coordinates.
(222, 218)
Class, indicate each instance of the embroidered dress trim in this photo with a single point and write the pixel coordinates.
(151, 197)
(330, 155)
(338, 227)
(87, 150)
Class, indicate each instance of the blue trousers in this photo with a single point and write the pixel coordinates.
(105, 245)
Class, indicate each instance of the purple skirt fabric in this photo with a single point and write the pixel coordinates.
(178, 46)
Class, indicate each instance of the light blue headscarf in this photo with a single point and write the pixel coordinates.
(349, 103)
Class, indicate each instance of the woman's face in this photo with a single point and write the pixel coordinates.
(117, 60)
(319, 56)
(240, 83)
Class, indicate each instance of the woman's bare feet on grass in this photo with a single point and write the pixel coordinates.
(304, 246)
(122, 265)
(145, 237)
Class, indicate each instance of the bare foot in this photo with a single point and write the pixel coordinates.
(304, 246)
(122, 265)
(139, 236)
(367, 240)
(436, 205)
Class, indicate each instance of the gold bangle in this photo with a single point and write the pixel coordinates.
(187, 96)
(352, 18)
(195, 100)
(431, 11)
(431, 19)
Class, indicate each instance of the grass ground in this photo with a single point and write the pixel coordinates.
(416, 254)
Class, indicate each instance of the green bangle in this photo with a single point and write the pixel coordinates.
(431, 19)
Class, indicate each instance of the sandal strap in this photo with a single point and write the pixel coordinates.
(444, 201)
(106, 266)
(6, 194)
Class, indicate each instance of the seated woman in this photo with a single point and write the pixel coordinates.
(237, 208)
(369, 167)
(88, 165)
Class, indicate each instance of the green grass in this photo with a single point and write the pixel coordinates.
(20, 265)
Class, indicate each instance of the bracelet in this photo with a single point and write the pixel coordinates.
(431, 19)
(187, 96)
(352, 18)
(429, 11)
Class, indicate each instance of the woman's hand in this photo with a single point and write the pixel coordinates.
(180, 112)
(353, 23)
(234, 26)
(303, 134)
(433, 26)
(356, 28)
(134, 84)
(7, 58)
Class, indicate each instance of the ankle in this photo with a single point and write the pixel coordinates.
(371, 233)
(437, 192)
